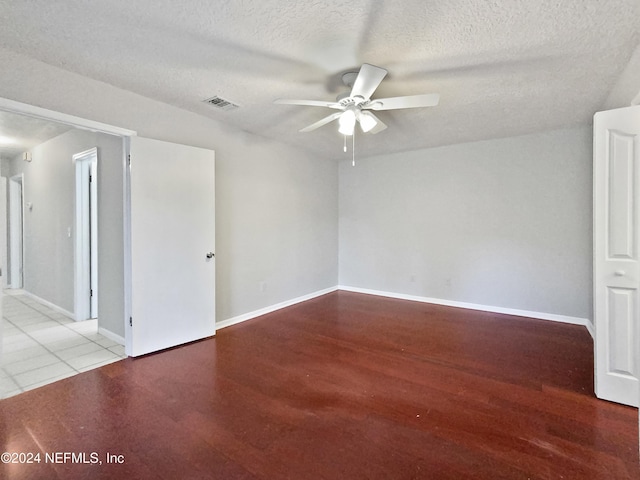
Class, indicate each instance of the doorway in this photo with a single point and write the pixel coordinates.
(41, 340)
(119, 300)
(86, 235)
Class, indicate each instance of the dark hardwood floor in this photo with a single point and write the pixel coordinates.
(345, 386)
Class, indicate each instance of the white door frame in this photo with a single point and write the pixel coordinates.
(86, 235)
(16, 230)
(84, 124)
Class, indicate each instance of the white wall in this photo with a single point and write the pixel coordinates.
(276, 205)
(110, 229)
(49, 185)
(502, 223)
(48, 251)
(277, 218)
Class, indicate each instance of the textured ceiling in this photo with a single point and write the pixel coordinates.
(502, 67)
(25, 133)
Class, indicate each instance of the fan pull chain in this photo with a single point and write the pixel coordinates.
(345, 144)
(353, 149)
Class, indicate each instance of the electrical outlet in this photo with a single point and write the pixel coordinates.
(263, 286)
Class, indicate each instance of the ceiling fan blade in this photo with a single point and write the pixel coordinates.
(367, 81)
(322, 122)
(311, 103)
(379, 126)
(411, 101)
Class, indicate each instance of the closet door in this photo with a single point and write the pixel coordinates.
(616, 276)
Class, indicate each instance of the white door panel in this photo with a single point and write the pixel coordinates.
(172, 231)
(616, 247)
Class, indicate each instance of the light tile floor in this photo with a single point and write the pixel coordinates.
(41, 346)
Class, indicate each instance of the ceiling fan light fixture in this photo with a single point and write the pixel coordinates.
(356, 106)
(367, 121)
(347, 122)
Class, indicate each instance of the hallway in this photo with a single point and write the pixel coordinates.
(41, 346)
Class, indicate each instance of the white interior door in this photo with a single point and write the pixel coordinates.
(172, 245)
(616, 249)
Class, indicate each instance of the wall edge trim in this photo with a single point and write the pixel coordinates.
(9, 105)
(47, 303)
(400, 296)
(474, 306)
(110, 335)
(591, 329)
(272, 308)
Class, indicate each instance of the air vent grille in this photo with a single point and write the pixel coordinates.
(221, 103)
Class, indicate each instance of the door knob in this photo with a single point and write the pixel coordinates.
(211, 255)
(619, 273)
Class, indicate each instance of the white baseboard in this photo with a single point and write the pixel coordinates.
(474, 306)
(111, 336)
(105, 333)
(591, 330)
(47, 303)
(263, 311)
(436, 301)
(14, 291)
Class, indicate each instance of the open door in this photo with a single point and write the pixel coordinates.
(616, 180)
(172, 245)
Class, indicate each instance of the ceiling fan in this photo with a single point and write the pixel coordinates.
(354, 106)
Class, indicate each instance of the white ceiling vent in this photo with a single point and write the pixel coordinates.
(221, 103)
